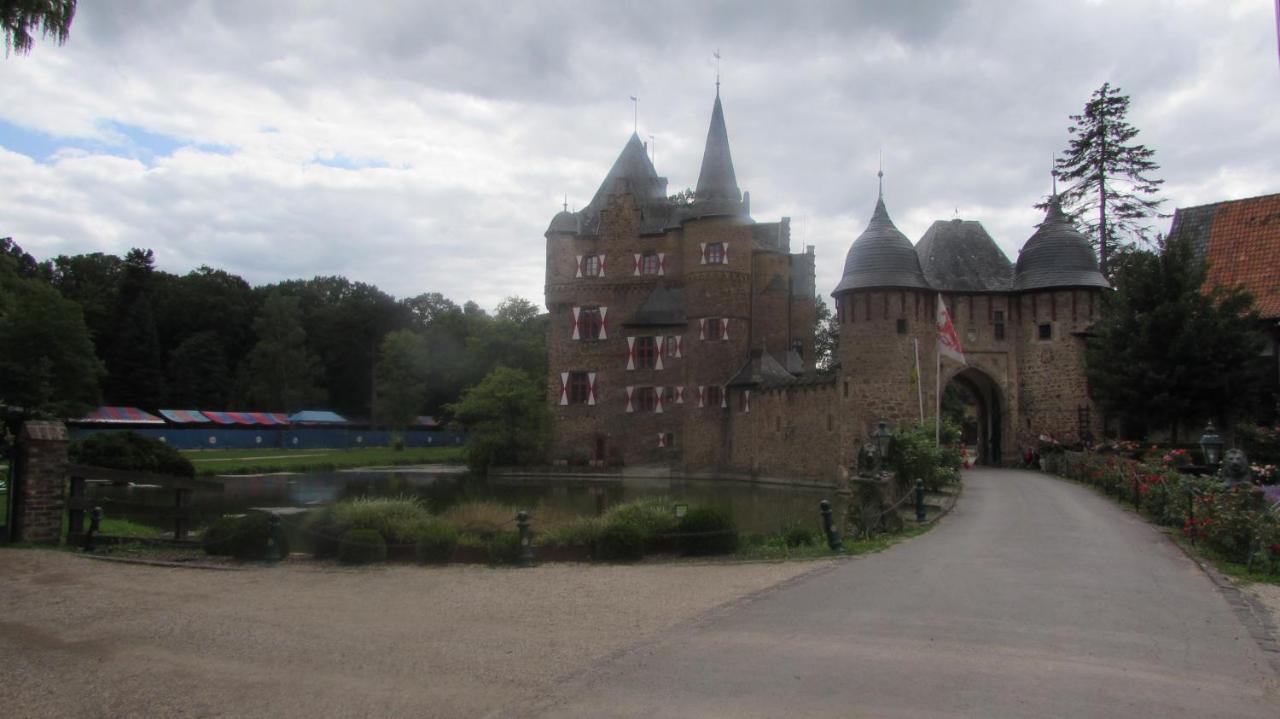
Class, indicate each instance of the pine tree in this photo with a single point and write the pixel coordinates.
(1109, 173)
(19, 18)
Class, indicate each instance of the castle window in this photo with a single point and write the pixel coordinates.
(998, 320)
(830, 423)
(715, 253)
(650, 263)
(1046, 331)
(902, 327)
(798, 348)
(646, 353)
(666, 439)
(646, 399)
(591, 266)
(846, 389)
(589, 323)
(579, 388)
(715, 396)
(672, 346)
(717, 328)
(971, 335)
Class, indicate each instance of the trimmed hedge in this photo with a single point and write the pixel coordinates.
(130, 451)
(621, 542)
(243, 537)
(436, 543)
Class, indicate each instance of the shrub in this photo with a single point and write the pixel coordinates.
(503, 548)
(581, 532)
(652, 515)
(436, 543)
(798, 534)
(483, 518)
(707, 531)
(915, 455)
(361, 546)
(621, 542)
(399, 520)
(130, 451)
(243, 537)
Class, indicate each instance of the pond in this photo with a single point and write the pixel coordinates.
(757, 508)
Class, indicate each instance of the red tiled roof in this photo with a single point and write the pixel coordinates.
(1240, 239)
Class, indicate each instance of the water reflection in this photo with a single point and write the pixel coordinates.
(756, 507)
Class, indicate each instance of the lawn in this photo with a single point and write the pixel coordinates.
(258, 461)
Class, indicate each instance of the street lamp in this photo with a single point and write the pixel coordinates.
(1211, 445)
(882, 437)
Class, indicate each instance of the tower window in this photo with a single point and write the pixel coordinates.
(589, 323)
(591, 266)
(716, 328)
(646, 399)
(671, 345)
(646, 353)
(1045, 331)
(715, 253)
(579, 387)
(649, 263)
(902, 326)
(998, 321)
(714, 396)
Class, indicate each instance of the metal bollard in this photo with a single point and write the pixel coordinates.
(833, 535)
(95, 526)
(920, 501)
(526, 543)
(273, 538)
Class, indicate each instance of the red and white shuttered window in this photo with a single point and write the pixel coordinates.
(673, 346)
(714, 253)
(746, 400)
(578, 388)
(713, 328)
(666, 439)
(712, 396)
(590, 323)
(650, 399)
(650, 263)
(644, 353)
(589, 266)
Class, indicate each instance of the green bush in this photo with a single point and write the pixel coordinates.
(915, 455)
(399, 520)
(799, 534)
(655, 517)
(243, 537)
(581, 532)
(436, 543)
(707, 531)
(503, 548)
(130, 451)
(361, 546)
(621, 542)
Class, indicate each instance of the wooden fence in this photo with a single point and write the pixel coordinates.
(181, 512)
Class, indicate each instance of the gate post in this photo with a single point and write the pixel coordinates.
(41, 478)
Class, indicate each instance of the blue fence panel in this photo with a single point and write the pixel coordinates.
(275, 438)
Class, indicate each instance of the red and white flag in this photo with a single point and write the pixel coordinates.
(948, 340)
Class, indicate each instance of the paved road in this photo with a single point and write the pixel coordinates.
(1035, 598)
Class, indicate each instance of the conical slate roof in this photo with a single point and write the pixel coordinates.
(1057, 255)
(717, 191)
(632, 166)
(881, 257)
(959, 256)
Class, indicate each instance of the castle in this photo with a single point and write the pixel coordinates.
(682, 330)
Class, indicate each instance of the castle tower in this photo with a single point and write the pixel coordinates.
(885, 307)
(1057, 299)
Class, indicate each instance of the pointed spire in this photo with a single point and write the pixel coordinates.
(633, 167)
(717, 180)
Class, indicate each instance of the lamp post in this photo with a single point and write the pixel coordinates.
(1211, 445)
(882, 437)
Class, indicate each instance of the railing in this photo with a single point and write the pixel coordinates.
(181, 513)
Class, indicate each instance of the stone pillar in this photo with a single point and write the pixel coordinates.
(40, 491)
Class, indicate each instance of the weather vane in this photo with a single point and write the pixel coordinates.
(716, 54)
(635, 113)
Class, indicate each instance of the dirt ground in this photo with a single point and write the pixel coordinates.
(1269, 596)
(85, 638)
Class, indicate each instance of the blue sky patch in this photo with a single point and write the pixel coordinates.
(118, 139)
(347, 163)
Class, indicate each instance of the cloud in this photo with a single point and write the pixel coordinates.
(425, 146)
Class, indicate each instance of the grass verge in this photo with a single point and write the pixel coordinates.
(774, 549)
(262, 461)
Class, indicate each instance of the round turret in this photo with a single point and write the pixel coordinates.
(1057, 255)
(564, 222)
(881, 257)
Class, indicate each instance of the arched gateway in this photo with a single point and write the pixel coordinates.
(683, 330)
(981, 404)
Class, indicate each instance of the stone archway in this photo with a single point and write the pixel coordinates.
(985, 414)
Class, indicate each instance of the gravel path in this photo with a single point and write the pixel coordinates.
(96, 639)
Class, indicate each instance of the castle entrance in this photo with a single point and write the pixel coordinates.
(973, 400)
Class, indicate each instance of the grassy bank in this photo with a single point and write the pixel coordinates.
(261, 461)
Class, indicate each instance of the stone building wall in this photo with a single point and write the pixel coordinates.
(1052, 387)
(41, 491)
(790, 431)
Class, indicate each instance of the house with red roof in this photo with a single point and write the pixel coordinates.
(1240, 241)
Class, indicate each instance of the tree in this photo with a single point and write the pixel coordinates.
(20, 18)
(47, 362)
(1167, 353)
(198, 376)
(135, 362)
(279, 373)
(403, 375)
(507, 416)
(1109, 173)
(826, 337)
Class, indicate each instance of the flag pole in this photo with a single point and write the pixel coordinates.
(937, 404)
(915, 341)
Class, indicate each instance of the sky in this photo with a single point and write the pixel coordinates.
(424, 147)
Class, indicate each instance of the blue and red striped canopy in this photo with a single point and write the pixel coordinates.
(121, 415)
(184, 416)
(248, 418)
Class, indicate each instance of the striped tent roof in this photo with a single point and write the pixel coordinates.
(247, 418)
(318, 416)
(184, 416)
(427, 421)
(121, 415)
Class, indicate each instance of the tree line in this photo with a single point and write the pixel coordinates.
(79, 330)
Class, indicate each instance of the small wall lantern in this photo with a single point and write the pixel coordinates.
(1211, 445)
(882, 437)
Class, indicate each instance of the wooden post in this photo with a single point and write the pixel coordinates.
(75, 515)
(181, 520)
